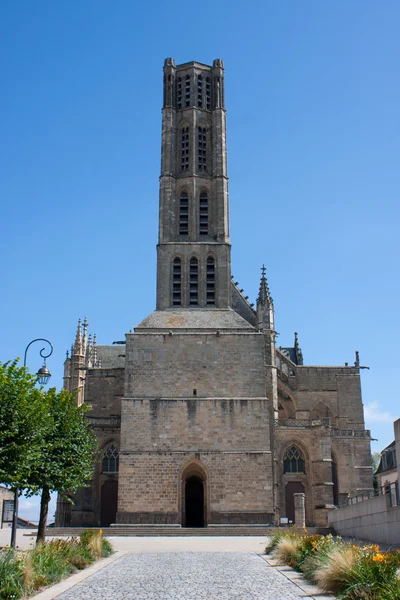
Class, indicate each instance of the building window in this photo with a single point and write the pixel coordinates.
(293, 461)
(210, 281)
(110, 462)
(185, 148)
(184, 214)
(203, 217)
(179, 93)
(194, 282)
(187, 91)
(208, 93)
(202, 148)
(200, 91)
(177, 282)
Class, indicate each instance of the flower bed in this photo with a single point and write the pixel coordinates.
(349, 571)
(22, 574)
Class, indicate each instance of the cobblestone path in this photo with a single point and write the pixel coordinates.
(186, 576)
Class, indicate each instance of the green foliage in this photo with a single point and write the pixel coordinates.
(277, 535)
(24, 573)
(94, 540)
(353, 572)
(11, 575)
(22, 414)
(68, 445)
(46, 442)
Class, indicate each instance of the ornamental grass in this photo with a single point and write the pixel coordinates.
(349, 571)
(22, 574)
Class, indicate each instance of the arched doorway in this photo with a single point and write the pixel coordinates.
(292, 487)
(109, 495)
(194, 502)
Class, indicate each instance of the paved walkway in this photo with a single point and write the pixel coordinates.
(190, 569)
(186, 576)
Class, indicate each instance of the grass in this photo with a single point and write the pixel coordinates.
(351, 572)
(22, 574)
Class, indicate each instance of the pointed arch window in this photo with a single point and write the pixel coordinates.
(179, 93)
(210, 281)
(200, 91)
(193, 282)
(177, 282)
(202, 148)
(187, 91)
(185, 148)
(184, 214)
(110, 463)
(208, 93)
(203, 216)
(293, 461)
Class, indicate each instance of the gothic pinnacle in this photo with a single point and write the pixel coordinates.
(78, 339)
(264, 295)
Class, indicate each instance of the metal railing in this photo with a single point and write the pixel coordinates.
(390, 489)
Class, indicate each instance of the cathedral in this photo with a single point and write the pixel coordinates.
(201, 418)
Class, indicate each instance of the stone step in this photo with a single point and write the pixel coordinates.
(168, 531)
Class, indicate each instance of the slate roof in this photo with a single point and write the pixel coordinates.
(110, 356)
(194, 319)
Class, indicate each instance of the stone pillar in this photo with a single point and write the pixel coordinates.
(300, 510)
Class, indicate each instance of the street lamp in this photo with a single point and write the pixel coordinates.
(43, 376)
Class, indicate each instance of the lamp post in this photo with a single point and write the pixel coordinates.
(43, 376)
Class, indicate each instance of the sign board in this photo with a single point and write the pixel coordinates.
(8, 509)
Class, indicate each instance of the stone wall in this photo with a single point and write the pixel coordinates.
(170, 366)
(230, 438)
(238, 486)
(372, 520)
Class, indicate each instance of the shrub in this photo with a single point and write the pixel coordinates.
(11, 575)
(78, 561)
(98, 545)
(373, 575)
(276, 537)
(335, 571)
(23, 573)
(352, 572)
(287, 550)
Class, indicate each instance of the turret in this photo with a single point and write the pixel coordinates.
(265, 305)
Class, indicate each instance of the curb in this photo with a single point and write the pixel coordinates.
(311, 591)
(66, 584)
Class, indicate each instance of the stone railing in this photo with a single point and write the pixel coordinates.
(357, 433)
(303, 422)
(324, 422)
(104, 421)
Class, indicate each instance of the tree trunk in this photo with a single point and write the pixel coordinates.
(44, 509)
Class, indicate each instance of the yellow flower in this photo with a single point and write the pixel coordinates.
(378, 557)
(101, 532)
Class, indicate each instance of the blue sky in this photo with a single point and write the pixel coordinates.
(313, 96)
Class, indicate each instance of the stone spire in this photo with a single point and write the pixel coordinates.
(95, 362)
(67, 370)
(89, 352)
(78, 340)
(264, 295)
(299, 354)
(84, 337)
(265, 304)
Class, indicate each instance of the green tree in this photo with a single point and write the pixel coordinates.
(46, 443)
(21, 419)
(376, 459)
(68, 449)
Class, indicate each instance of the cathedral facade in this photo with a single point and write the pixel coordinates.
(201, 419)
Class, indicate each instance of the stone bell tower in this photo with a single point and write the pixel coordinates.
(193, 254)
